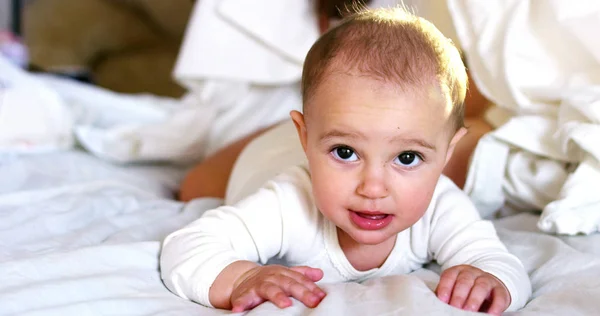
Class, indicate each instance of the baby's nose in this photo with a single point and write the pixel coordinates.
(372, 185)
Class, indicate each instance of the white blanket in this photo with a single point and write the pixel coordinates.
(79, 236)
(30, 122)
(539, 61)
(241, 67)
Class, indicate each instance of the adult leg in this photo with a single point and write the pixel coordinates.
(457, 167)
(475, 107)
(209, 178)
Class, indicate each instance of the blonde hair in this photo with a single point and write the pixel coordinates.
(391, 45)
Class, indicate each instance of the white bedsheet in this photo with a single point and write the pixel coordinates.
(539, 61)
(79, 236)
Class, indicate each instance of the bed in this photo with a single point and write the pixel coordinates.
(81, 227)
(81, 236)
(83, 214)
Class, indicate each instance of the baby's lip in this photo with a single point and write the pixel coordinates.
(369, 212)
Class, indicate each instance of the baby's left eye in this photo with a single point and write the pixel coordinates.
(408, 159)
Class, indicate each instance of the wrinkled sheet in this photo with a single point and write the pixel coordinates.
(539, 62)
(79, 236)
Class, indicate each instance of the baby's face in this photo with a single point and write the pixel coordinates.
(375, 154)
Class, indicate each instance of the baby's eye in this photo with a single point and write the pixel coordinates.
(344, 153)
(408, 159)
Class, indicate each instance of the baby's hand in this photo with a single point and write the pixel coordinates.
(276, 284)
(471, 289)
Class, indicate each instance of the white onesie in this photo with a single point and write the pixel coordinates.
(281, 221)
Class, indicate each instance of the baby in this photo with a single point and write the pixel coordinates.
(383, 100)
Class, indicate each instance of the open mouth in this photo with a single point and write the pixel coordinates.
(372, 216)
(368, 220)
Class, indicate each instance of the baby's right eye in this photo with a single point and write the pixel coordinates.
(344, 153)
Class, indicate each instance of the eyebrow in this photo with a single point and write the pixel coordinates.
(356, 135)
(416, 141)
(341, 134)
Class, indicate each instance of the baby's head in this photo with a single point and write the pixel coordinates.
(383, 100)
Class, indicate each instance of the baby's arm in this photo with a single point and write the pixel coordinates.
(243, 285)
(213, 260)
(478, 271)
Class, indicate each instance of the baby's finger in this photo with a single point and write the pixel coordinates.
(462, 288)
(500, 302)
(311, 273)
(300, 292)
(246, 301)
(274, 293)
(446, 284)
(480, 291)
(307, 282)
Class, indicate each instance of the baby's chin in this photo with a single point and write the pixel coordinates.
(370, 237)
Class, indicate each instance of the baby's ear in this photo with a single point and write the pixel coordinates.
(455, 139)
(298, 119)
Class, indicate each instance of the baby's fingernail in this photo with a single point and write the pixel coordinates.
(237, 309)
(444, 297)
(313, 300)
(319, 293)
(285, 303)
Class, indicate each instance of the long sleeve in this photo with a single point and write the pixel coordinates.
(459, 236)
(253, 230)
(274, 222)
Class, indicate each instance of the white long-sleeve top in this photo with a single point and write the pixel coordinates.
(282, 222)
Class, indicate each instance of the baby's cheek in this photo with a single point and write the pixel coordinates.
(326, 190)
(332, 190)
(414, 201)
